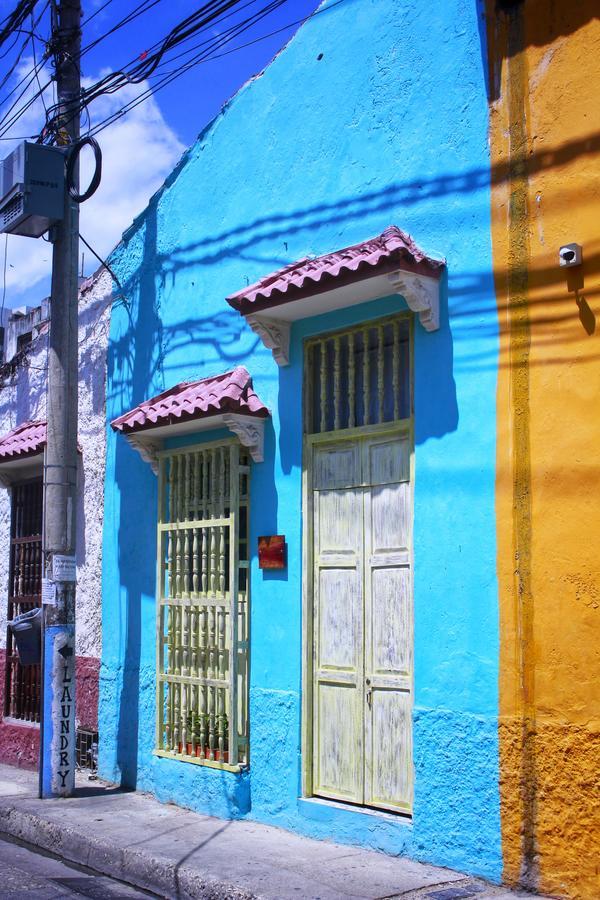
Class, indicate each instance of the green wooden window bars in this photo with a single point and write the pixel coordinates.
(202, 615)
(359, 376)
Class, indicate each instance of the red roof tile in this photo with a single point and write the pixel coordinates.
(230, 392)
(389, 251)
(24, 440)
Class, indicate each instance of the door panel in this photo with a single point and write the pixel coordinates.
(340, 614)
(386, 460)
(390, 520)
(388, 624)
(339, 749)
(338, 625)
(336, 466)
(391, 610)
(362, 586)
(390, 750)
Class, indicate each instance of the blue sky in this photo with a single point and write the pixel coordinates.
(211, 83)
(141, 148)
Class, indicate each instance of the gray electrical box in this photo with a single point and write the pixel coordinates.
(32, 189)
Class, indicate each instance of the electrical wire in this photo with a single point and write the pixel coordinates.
(11, 116)
(7, 123)
(72, 159)
(104, 263)
(29, 35)
(35, 67)
(15, 20)
(168, 79)
(232, 31)
(135, 13)
(96, 13)
(139, 70)
(4, 278)
(169, 76)
(157, 58)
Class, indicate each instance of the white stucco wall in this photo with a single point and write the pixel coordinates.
(22, 398)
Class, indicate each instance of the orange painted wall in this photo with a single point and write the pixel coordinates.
(545, 137)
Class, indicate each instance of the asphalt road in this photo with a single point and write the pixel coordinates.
(29, 873)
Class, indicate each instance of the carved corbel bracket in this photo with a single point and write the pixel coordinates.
(422, 295)
(148, 450)
(250, 431)
(5, 480)
(274, 334)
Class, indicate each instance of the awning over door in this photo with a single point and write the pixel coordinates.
(227, 400)
(390, 263)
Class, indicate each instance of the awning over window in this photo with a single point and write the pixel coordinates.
(390, 263)
(24, 440)
(20, 451)
(226, 400)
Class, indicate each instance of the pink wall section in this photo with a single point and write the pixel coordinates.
(86, 697)
(19, 744)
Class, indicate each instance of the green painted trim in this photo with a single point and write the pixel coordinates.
(400, 427)
(207, 763)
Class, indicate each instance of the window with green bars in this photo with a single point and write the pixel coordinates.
(358, 377)
(202, 615)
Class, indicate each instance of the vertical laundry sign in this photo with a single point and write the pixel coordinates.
(63, 710)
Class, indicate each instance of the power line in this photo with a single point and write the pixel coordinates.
(109, 84)
(141, 70)
(15, 20)
(104, 263)
(168, 78)
(29, 35)
(4, 277)
(135, 13)
(96, 13)
(5, 125)
(35, 67)
(158, 56)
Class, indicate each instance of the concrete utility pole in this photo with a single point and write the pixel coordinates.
(57, 746)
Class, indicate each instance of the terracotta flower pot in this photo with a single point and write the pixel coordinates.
(189, 751)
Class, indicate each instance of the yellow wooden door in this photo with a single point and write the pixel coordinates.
(362, 622)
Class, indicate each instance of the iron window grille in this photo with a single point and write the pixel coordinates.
(202, 614)
(22, 683)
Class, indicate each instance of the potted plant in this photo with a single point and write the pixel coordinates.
(223, 728)
(192, 746)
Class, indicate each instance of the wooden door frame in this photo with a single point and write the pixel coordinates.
(400, 428)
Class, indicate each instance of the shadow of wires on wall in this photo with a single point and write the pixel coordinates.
(147, 356)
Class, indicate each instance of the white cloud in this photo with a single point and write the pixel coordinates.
(138, 152)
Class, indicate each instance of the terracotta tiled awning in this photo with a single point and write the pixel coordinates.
(226, 400)
(25, 440)
(389, 251)
(388, 264)
(230, 392)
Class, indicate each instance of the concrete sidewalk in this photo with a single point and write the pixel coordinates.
(179, 854)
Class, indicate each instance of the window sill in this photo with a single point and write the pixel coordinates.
(22, 723)
(206, 763)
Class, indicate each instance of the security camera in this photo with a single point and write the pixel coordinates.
(570, 255)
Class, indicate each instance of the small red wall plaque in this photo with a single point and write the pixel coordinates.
(271, 551)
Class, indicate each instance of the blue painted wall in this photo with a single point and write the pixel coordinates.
(374, 114)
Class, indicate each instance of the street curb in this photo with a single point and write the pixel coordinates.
(167, 879)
